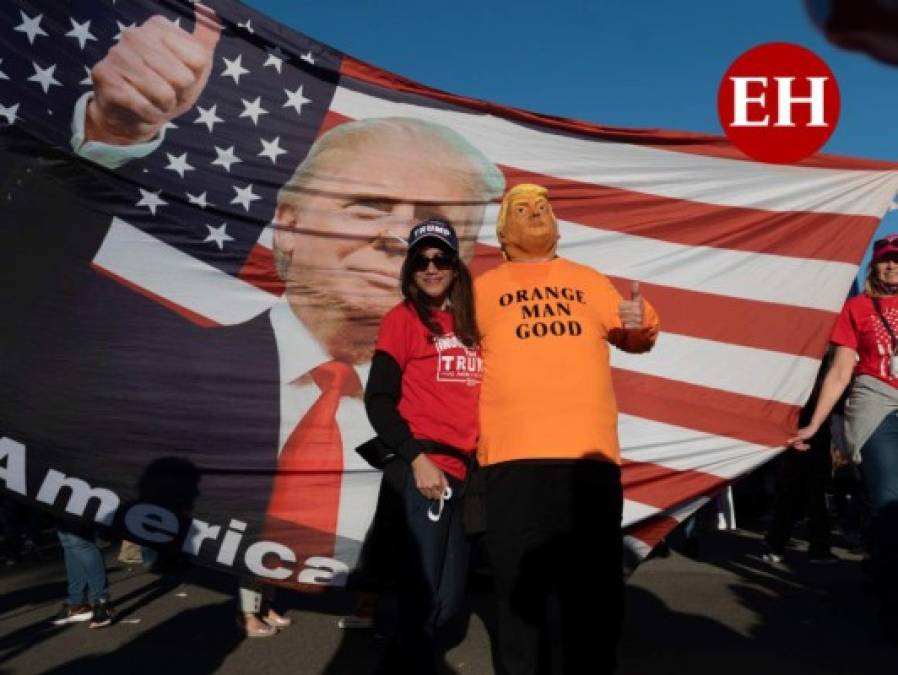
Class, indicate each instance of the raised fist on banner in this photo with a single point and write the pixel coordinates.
(155, 73)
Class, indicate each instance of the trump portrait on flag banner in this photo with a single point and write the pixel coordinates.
(202, 216)
(248, 403)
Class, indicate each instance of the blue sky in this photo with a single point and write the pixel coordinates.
(652, 63)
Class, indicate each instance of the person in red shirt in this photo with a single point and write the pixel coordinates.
(866, 356)
(422, 397)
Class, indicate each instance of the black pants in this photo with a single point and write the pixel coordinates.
(801, 481)
(555, 527)
(433, 559)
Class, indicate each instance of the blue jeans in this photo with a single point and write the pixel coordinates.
(84, 566)
(880, 468)
(434, 566)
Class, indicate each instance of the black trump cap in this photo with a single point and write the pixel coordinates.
(439, 231)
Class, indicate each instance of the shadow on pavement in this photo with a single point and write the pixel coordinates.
(26, 637)
(788, 618)
(726, 613)
(170, 647)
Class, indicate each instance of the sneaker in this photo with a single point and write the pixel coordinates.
(72, 614)
(103, 614)
(772, 558)
(823, 559)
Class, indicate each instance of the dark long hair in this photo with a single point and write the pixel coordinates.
(461, 299)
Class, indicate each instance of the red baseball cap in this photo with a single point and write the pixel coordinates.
(885, 246)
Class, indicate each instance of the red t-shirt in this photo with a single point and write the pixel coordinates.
(860, 328)
(440, 382)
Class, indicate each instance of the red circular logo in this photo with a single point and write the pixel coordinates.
(778, 102)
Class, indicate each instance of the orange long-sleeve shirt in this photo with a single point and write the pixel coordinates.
(546, 391)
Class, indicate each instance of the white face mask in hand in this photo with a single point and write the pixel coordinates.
(446, 496)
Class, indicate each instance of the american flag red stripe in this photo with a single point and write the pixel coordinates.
(749, 323)
(641, 481)
(735, 416)
(824, 236)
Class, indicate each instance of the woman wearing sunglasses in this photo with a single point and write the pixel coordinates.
(421, 397)
(866, 357)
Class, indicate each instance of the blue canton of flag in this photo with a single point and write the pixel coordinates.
(211, 186)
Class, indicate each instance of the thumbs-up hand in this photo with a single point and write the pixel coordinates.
(631, 311)
(155, 73)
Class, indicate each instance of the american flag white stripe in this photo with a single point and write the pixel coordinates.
(635, 512)
(683, 449)
(677, 175)
(165, 272)
(725, 367)
(637, 545)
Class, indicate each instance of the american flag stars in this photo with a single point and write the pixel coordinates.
(208, 117)
(198, 200)
(296, 100)
(81, 32)
(44, 77)
(225, 158)
(151, 200)
(9, 113)
(272, 149)
(31, 26)
(231, 151)
(275, 59)
(218, 235)
(234, 68)
(245, 196)
(178, 164)
(121, 29)
(253, 110)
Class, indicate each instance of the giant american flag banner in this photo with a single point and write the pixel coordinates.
(746, 263)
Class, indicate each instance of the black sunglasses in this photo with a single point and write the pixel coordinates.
(442, 261)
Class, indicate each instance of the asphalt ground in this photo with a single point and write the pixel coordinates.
(724, 612)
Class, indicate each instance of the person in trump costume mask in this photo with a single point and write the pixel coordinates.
(551, 480)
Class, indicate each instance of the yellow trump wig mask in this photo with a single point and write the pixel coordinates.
(526, 226)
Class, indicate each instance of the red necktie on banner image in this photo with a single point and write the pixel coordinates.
(306, 490)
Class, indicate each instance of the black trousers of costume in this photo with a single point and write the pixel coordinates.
(555, 528)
